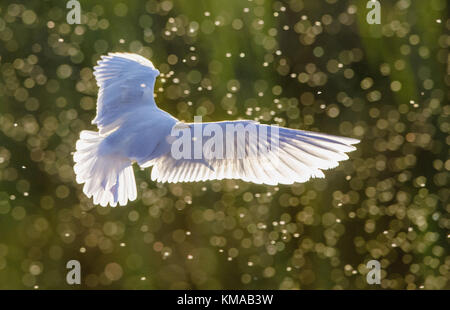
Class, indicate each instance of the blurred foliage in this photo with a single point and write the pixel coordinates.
(315, 65)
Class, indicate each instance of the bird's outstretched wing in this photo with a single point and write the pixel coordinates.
(284, 156)
(126, 83)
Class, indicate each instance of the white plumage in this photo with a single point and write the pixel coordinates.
(133, 129)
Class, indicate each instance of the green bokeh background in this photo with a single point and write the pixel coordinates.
(315, 65)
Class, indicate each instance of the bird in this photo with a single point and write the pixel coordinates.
(133, 129)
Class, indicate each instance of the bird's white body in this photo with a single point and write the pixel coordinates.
(133, 129)
(138, 137)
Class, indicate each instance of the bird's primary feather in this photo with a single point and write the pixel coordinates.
(298, 156)
(126, 84)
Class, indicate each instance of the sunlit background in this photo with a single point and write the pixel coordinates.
(314, 65)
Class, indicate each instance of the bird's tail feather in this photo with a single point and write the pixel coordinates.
(108, 179)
